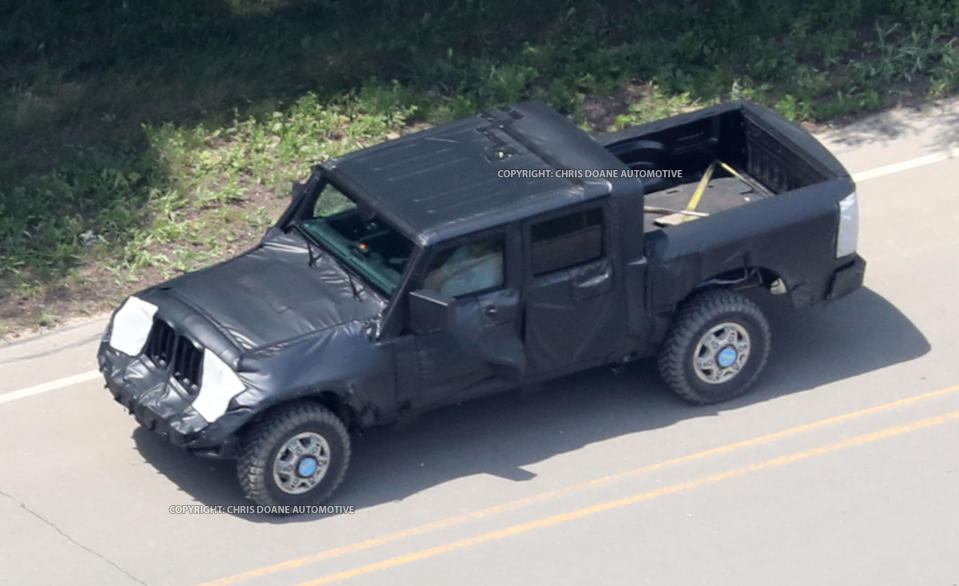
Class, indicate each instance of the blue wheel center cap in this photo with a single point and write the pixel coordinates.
(306, 467)
(726, 357)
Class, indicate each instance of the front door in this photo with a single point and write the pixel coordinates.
(481, 349)
(575, 309)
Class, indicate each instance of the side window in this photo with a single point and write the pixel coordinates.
(468, 268)
(566, 241)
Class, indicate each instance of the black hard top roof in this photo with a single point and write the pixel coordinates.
(447, 181)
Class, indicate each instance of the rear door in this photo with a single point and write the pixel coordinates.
(575, 307)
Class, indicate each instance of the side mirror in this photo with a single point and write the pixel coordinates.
(430, 312)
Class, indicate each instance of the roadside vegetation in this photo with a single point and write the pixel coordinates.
(141, 139)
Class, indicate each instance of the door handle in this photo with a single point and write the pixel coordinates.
(491, 310)
(596, 281)
(592, 281)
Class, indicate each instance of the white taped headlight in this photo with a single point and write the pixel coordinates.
(218, 385)
(131, 326)
(848, 233)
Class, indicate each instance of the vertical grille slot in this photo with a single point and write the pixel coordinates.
(186, 367)
(160, 344)
(168, 349)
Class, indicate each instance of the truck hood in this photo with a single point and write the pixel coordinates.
(272, 293)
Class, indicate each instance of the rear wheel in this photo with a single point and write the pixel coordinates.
(715, 348)
(297, 455)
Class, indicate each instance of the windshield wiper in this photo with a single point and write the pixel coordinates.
(349, 275)
(311, 246)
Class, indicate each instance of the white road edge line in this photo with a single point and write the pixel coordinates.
(857, 177)
(906, 165)
(49, 386)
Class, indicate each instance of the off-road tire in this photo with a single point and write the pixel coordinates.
(694, 318)
(261, 443)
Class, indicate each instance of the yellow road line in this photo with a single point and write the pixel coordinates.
(523, 502)
(631, 500)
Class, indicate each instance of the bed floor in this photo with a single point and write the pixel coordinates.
(722, 193)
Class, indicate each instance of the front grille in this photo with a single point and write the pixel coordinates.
(186, 364)
(161, 343)
(169, 350)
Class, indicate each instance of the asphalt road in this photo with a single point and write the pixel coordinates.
(841, 467)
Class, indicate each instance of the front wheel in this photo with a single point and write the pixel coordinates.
(297, 455)
(715, 348)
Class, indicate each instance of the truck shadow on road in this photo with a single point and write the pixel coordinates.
(500, 435)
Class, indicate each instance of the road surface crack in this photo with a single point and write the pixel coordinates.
(85, 548)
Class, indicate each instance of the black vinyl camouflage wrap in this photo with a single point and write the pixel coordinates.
(292, 321)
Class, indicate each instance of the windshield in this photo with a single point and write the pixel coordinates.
(364, 242)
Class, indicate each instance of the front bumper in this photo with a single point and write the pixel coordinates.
(162, 405)
(847, 278)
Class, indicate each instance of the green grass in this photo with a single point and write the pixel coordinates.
(144, 139)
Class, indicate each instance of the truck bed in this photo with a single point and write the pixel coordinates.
(769, 158)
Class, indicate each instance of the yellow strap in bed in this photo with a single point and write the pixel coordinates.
(734, 173)
(698, 194)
